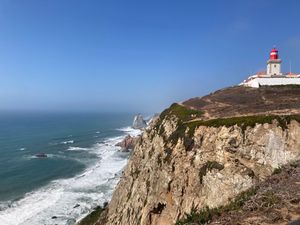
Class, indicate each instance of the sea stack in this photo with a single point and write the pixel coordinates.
(139, 122)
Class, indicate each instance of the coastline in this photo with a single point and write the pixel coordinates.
(94, 185)
(100, 211)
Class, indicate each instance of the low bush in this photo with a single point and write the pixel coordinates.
(181, 112)
(92, 217)
(245, 121)
(206, 214)
(186, 124)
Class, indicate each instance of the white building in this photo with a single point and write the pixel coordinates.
(273, 75)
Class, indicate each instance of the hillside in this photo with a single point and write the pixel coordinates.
(242, 101)
(205, 152)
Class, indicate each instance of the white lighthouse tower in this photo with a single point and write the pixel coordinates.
(273, 76)
(274, 63)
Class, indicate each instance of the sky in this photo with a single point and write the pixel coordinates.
(136, 55)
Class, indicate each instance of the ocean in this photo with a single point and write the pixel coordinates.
(80, 171)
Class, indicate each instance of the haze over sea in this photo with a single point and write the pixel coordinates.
(81, 168)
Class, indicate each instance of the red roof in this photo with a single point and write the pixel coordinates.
(291, 74)
(261, 73)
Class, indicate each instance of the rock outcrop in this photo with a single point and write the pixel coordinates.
(139, 122)
(183, 163)
(273, 202)
(128, 143)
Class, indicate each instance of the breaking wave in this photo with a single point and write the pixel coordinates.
(65, 201)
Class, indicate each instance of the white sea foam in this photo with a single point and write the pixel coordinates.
(55, 203)
(22, 149)
(67, 142)
(130, 131)
(71, 148)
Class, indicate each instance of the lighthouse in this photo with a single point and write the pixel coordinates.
(274, 63)
(273, 76)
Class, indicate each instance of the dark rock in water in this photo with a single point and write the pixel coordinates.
(128, 143)
(54, 217)
(77, 205)
(139, 122)
(41, 155)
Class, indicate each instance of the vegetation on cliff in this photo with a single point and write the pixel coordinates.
(206, 214)
(183, 115)
(246, 121)
(181, 112)
(274, 201)
(244, 101)
(189, 120)
(97, 216)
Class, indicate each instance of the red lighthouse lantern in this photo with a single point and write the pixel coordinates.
(274, 54)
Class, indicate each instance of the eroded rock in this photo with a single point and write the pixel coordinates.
(128, 143)
(162, 182)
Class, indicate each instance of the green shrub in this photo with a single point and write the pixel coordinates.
(269, 199)
(92, 217)
(203, 216)
(206, 214)
(181, 112)
(240, 200)
(186, 127)
(246, 121)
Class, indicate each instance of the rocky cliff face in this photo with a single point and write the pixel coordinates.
(204, 152)
(176, 167)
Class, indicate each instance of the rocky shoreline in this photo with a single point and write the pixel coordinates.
(129, 142)
(189, 160)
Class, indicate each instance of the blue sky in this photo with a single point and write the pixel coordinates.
(136, 55)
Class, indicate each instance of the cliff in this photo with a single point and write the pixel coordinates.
(204, 152)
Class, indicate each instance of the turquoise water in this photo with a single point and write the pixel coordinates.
(82, 164)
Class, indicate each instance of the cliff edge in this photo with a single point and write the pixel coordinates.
(204, 152)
